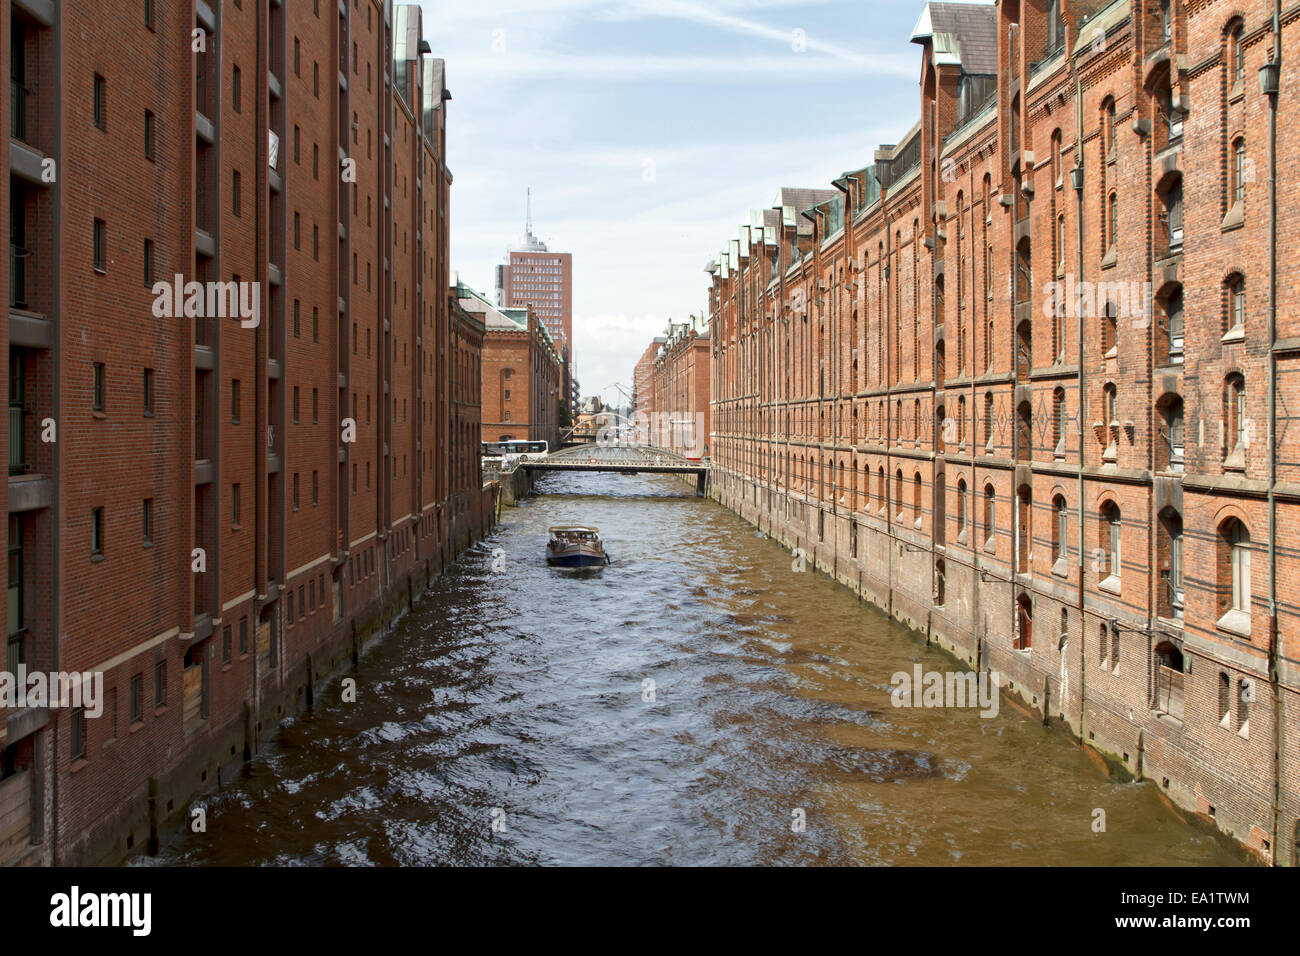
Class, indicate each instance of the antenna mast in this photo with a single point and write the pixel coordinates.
(529, 222)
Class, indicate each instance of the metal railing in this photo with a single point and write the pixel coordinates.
(18, 276)
(17, 440)
(18, 110)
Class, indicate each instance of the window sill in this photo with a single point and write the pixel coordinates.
(96, 558)
(1110, 584)
(990, 546)
(1235, 622)
(159, 711)
(102, 416)
(135, 725)
(77, 764)
(1235, 219)
(1061, 568)
(1235, 334)
(1110, 258)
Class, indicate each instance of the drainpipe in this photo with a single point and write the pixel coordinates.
(1270, 83)
(1078, 181)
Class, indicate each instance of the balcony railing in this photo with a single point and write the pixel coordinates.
(18, 257)
(19, 106)
(15, 652)
(17, 440)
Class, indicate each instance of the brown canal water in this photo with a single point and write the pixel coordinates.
(515, 694)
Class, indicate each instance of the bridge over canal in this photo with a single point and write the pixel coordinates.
(622, 459)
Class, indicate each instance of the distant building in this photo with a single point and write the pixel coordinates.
(535, 277)
(522, 372)
(672, 389)
(642, 373)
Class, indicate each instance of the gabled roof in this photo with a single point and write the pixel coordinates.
(965, 34)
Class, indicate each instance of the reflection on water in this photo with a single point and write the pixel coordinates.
(523, 696)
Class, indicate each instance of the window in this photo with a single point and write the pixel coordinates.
(988, 422)
(1225, 698)
(990, 518)
(1174, 332)
(1174, 215)
(1108, 131)
(963, 517)
(1234, 576)
(315, 161)
(148, 391)
(148, 134)
(234, 89)
(1112, 221)
(97, 387)
(1060, 534)
(297, 57)
(1170, 559)
(295, 404)
(147, 520)
(137, 698)
(1240, 170)
(1110, 420)
(315, 405)
(226, 642)
(234, 401)
(100, 246)
(297, 145)
(297, 230)
(1235, 315)
(148, 263)
(315, 489)
(1238, 56)
(1058, 422)
(1235, 427)
(160, 684)
(78, 721)
(315, 323)
(101, 102)
(234, 504)
(1109, 563)
(295, 491)
(235, 201)
(243, 635)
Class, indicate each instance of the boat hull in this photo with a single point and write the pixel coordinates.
(576, 560)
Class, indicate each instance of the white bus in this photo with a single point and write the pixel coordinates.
(517, 447)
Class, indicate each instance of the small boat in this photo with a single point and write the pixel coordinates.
(575, 546)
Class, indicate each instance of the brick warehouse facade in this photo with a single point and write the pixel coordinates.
(228, 510)
(1092, 488)
(523, 373)
(677, 413)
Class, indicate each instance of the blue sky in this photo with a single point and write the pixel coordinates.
(647, 129)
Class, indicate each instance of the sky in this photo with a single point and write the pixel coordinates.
(647, 130)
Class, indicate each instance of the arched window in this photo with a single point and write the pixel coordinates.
(988, 422)
(1108, 130)
(961, 423)
(1169, 680)
(963, 516)
(1112, 221)
(990, 518)
(1237, 54)
(1235, 431)
(1024, 640)
(1171, 446)
(1058, 422)
(916, 500)
(1060, 533)
(1225, 698)
(988, 344)
(1110, 420)
(1233, 566)
(1234, 314)
(1174, 330)
(898, 493)
(1024, 529)
(882, 493)
(1108, 545)
(1169, 558)
(1240, 170)
(940, 588)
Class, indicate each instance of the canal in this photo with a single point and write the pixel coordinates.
(511, 718)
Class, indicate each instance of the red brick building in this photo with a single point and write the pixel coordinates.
(678, 414)
(523, 373)
(216, 512)
(642, 375)
(1022, 381)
